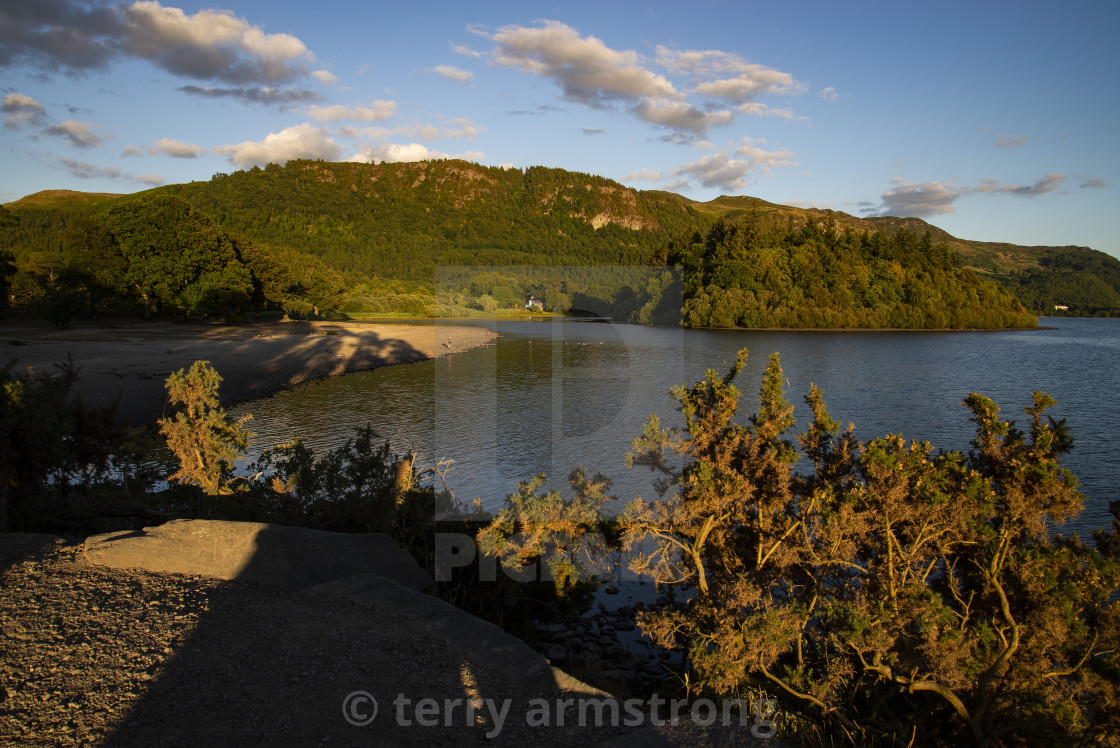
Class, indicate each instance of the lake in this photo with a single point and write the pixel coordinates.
(552, 395)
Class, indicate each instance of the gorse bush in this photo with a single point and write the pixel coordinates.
(361, 486)
(888, 593)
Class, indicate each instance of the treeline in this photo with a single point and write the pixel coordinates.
(764, 272)
(405, 220)
(1084, 282)
(158, 254)
(379, 240)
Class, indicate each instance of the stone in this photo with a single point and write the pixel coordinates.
(292, 558)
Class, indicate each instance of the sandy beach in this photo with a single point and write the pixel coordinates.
(130, 359)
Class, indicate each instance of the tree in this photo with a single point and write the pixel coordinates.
(7, 266)
(298, 283)
(177, 258)
(206, 441)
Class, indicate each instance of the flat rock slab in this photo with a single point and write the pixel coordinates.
(292, 558)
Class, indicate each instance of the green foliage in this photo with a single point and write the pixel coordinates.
(891, 593)
(352, 488)
(299, 284)
(760, 272)
(7, 264)
(552, 530)
(177, 259)
(406, 220)
(766, 265)
(1084, 281)
(161, 253)
(201, 435)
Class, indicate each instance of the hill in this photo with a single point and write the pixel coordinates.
(403, 220)
(1084, 280)
(388, 227)
(63, 199)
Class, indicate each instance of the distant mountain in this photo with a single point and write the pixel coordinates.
(401, 221)
(63, 199)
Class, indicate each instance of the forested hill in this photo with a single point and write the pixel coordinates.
(402, 220)
(1084, 280)
(388, 227)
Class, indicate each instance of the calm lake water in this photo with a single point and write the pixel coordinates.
(550, 396)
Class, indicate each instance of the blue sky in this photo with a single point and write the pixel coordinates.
(992, 120)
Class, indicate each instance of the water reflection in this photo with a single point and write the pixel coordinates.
(550, 396)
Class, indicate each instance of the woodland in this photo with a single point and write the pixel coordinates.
(451, 238)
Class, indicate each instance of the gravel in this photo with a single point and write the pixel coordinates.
(100, 656)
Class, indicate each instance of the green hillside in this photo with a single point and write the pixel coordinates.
(402, 220)
(387, 228)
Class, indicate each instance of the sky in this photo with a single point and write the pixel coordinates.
(995, 121)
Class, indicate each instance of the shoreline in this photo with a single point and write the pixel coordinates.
(131, 360)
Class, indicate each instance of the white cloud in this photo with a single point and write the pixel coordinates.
(589, 72)
(722, 75)
(680, 115)
(22, 111)
(212, 44)
(326, 77)
(176, 148)
(299, 141)
(453, 74)
(643, 175)
(132, 151)
(762, 159)
(586, 69)
(282, 97)
(923, 199)
(920, 199)
(759, 109)
(377, 111)
(79, 134)
(456, 128)
(829, 94)
(466, 51)
(207, 45)
(748, 86)
(396, 152)
(84, 170)
(1048, 183)
(726, 172)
